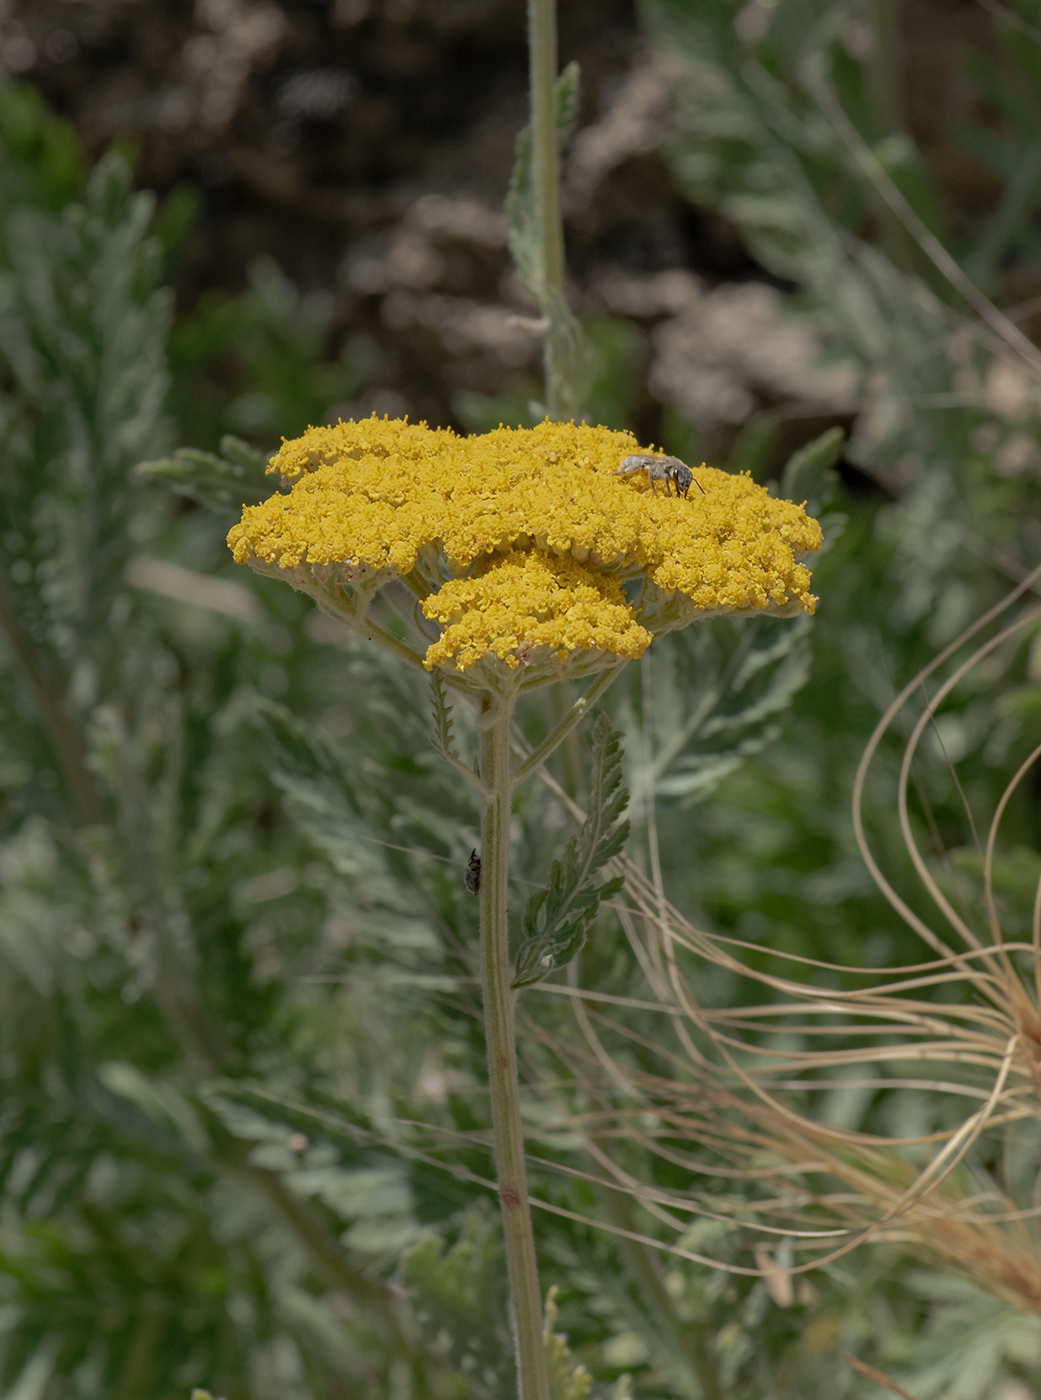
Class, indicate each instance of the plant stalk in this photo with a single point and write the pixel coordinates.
(499, 999)
(558, 348)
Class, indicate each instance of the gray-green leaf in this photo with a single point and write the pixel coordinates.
(558, 917)
(220, 484)
(810, 473)
(444, 737)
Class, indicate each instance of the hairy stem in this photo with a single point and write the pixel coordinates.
(559, 346)
(499, 999)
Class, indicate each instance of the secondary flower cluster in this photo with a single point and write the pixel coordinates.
(523, 543)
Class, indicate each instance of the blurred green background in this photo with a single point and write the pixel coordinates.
(241, 1059)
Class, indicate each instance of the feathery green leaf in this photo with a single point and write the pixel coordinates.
(444, 738)
(221, 484)
(558, 917)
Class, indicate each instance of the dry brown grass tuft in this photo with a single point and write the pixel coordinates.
(734, 1094)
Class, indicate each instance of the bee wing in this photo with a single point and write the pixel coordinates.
(635, 463)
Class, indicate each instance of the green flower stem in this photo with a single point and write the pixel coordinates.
(373, 632)
(499, 1000)
(545, 169)
(575, 715)
(364, 625)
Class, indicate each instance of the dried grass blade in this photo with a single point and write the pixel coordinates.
(877, 1377)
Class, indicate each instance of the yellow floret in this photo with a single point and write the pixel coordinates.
(383, 498)
(375, 437)
(528, 607)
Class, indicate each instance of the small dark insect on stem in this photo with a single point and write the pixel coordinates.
(472, 873)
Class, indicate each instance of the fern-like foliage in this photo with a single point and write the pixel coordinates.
(82, 326)
(567, 1381)
(558, 917)
(460, 1295)
(717, 696)
(809, 474)
(221, 483)
(444, 740)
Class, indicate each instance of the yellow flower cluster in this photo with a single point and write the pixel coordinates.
(520, 540)
(527, 605)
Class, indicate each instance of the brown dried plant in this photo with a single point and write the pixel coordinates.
(731, 1097)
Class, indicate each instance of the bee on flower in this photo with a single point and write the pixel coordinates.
(668, 469)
